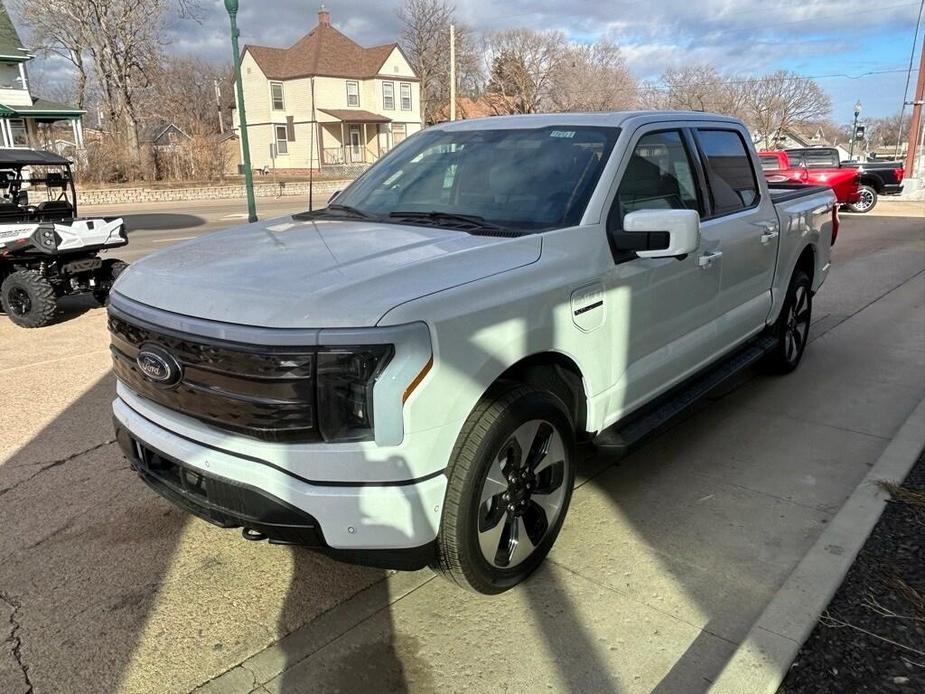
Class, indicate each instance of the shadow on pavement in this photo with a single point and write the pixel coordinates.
(161, 221)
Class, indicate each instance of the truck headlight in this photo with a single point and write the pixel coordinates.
(346, 377)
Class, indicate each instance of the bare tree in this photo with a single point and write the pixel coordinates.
(889, 130)
(592, 77)
(426, 40)
(182, 92)
(522, 65)
(782, 100)
(59, 28)
(701, 88)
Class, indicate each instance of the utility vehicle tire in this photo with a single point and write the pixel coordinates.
(792, 327)
(867, 202)
(109, 273)
(510, 482)
(28, 299)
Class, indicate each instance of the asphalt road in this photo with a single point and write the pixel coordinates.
(153, 226)
(664, 562)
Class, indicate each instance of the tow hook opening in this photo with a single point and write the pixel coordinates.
(252, 535)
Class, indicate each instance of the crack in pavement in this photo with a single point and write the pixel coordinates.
(53, 464)
(15, 640)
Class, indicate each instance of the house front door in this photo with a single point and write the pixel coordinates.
(356, 148)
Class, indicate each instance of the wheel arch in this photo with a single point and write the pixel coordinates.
(806, 262)
(558, 373)
(872, 180)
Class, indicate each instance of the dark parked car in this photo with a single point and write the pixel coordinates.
(877, 178)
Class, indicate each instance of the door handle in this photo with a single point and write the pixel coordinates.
(767, 236)
(706, 260)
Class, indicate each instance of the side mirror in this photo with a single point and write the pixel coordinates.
(333, 195)
(660, 233)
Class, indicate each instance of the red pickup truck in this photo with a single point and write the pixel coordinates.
(845, 182)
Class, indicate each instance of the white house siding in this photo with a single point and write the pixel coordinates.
(330, 93)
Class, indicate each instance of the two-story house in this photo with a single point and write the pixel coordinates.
(326, 101)
(22, 115)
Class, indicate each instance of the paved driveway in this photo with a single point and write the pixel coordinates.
(665, 560)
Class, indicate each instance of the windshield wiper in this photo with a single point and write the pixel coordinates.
(465, 222)
(344, 210)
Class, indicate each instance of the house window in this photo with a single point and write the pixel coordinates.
(276, 94)
(398, 133)
(405, 96)
(282, 140)
(353, 93)
(20, 138)
(388, 96)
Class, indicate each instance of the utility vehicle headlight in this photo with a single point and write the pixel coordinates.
(345, 380)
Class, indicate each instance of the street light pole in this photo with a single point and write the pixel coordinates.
(232, 7)
(854, 132)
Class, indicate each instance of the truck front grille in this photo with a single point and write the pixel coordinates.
(264, 392)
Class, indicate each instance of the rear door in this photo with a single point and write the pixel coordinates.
(744, 224)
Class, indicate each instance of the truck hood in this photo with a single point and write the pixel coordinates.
(287, 273)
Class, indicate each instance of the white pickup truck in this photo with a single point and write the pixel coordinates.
(400, 379)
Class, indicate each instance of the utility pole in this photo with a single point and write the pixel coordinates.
(452, 72)
(218, 106)
(916, 115)
(232, 7)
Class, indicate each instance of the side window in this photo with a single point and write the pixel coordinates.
(730, 176)
(659, 176)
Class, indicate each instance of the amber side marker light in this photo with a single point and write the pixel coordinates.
(417, 380)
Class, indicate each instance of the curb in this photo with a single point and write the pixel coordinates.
(763, 659)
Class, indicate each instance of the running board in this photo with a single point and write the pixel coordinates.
(667, 408)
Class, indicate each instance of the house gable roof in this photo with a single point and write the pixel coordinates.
(323, 52)
(10, 44)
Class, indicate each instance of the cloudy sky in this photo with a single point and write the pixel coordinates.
(856, 49)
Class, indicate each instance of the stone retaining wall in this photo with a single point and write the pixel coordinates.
(129, 195)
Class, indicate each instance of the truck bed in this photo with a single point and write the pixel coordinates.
(785, 192)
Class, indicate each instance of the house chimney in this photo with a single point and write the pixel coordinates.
(324, 17)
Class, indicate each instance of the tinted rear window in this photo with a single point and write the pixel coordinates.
(770, 163)
(730, 175)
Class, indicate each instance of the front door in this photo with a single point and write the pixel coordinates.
(663, 309)
(356, 147)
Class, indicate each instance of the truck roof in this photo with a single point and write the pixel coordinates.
(606, 119)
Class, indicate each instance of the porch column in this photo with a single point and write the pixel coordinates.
(365, 141)
(378, 140)
(343, 142)
(77, 126)
(5, 133)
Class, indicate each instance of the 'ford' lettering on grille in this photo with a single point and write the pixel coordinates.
(158, 366)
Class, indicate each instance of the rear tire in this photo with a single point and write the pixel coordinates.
(108, 274)
(28, 299)
(867, 202)
(792, 327)
(510, 483)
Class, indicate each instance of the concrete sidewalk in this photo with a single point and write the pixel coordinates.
(665, 561)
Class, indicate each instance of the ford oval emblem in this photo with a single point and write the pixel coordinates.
(158, 365)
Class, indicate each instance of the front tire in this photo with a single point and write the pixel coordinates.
(867, 202)
(792, 327)
(510, 483)
(28, 299)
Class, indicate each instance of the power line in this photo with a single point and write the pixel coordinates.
(902, 110)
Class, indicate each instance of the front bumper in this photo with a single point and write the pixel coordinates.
(391, 525)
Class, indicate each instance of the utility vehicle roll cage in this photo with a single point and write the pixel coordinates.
(14, 197)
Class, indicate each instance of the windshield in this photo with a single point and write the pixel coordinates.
(521, 180)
